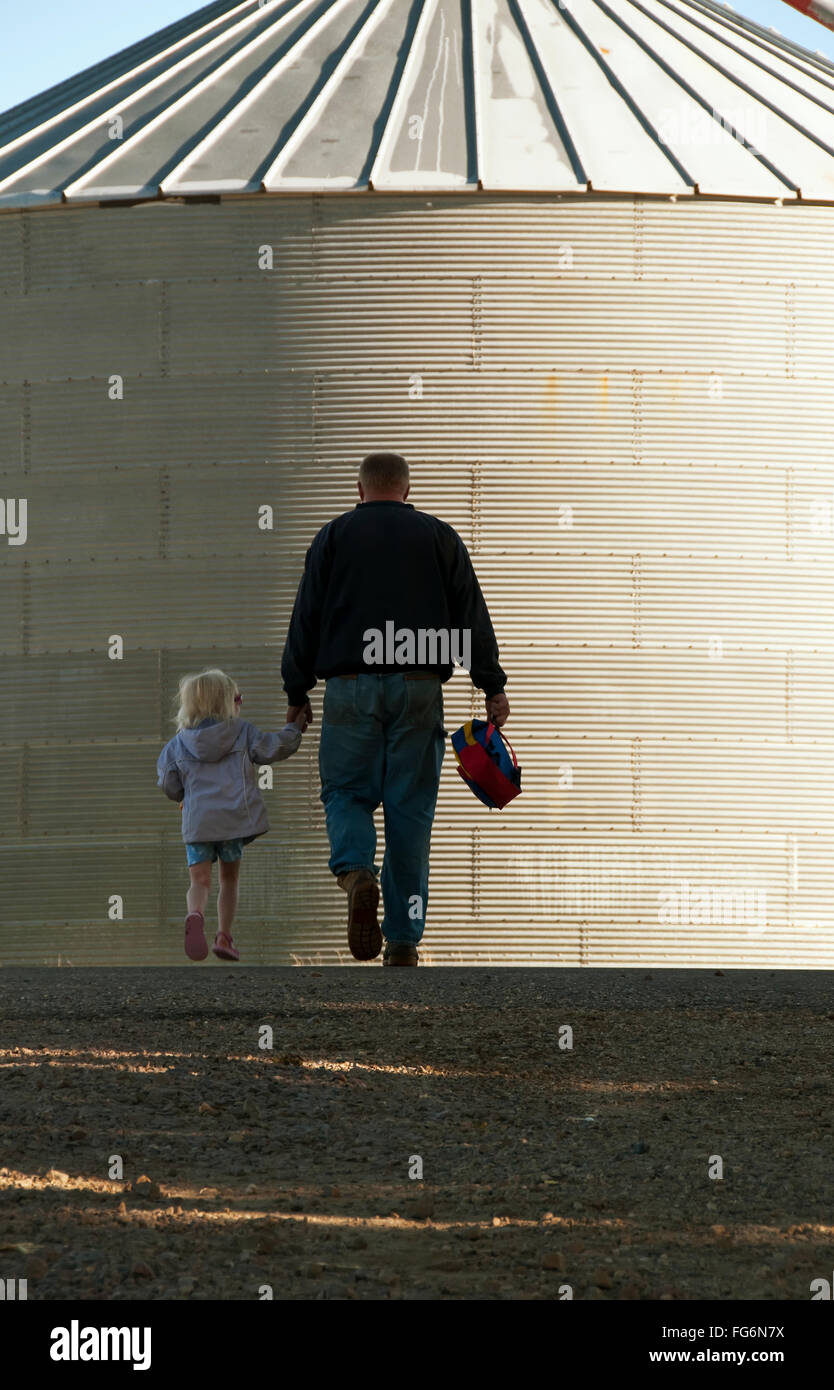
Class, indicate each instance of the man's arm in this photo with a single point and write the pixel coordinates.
(298, 661)
(469, 611)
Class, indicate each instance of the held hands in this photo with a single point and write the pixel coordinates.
(302, 715)
(498, 709)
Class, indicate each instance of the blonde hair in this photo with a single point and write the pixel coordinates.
(211, 693)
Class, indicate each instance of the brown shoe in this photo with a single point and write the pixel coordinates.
(364, 932)
(400, 953)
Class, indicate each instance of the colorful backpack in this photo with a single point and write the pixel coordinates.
(484, 763)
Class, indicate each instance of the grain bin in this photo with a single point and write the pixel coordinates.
(574, 261)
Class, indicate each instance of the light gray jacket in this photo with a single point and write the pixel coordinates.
(211, 768)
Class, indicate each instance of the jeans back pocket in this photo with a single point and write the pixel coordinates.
(340, 701)
(425, 703)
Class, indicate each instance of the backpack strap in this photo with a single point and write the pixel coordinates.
(493, 729)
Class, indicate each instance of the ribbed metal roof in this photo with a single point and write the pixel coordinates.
(671, 97)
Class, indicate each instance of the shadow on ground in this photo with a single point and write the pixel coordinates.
(548, 1170)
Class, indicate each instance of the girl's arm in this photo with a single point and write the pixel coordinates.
(169, 779)
(273, 747)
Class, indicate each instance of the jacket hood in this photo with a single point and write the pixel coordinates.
(211, 742)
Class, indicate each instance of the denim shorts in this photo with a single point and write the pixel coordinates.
(227, 850)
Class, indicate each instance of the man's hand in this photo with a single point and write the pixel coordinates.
(302, 715)
(498, 709)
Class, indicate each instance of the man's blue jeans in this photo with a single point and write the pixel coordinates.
(382, 741)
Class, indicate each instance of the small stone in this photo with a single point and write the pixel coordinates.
(423, 1207)
(314, 1270)
(36, 1268)
(603, 1279)
(554, 1260)
(639, 1147)
(206, 1108)
(140, 1270)
(144, 1187)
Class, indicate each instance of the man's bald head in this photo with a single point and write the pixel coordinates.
(383, 478)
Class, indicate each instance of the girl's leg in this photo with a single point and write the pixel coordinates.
(227, 895)
(197, 896)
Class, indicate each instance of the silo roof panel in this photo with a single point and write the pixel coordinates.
(582, 51)
(773, 122)
(522, 139)
(656, 97)
(334, 143)
(226, 112)
(424, 143)
(233, 153)
(43, 157)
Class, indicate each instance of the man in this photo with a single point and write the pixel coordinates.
(387, 601)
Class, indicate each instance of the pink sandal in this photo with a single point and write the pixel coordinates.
(228, 952)
(195, 936)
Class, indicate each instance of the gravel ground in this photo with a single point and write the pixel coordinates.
(545, 1168)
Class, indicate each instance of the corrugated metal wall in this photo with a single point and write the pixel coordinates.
(627, 410)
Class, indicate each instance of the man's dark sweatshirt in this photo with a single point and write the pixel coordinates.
(384, 562)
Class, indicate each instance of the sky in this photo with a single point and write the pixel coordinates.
(46, 41)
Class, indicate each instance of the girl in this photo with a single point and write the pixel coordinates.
(208, 766)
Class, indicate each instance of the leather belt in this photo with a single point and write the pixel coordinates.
(409, 675)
